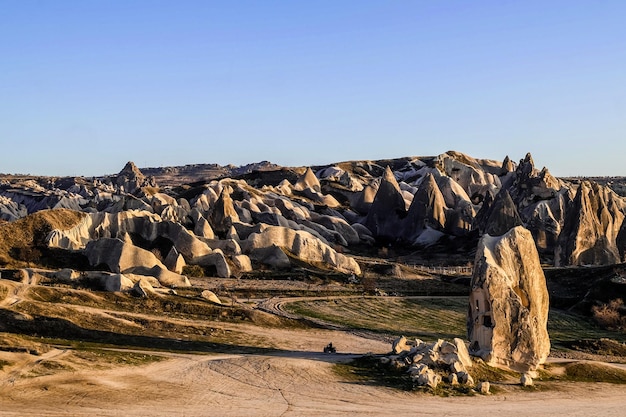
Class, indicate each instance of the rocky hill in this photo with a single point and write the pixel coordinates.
(231, 220)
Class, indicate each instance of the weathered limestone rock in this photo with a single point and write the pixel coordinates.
(591, 227)
(210, 295)
(483, 387)
(308, 180)
(499, 216)
(384, 216)
(224, 214)
(217, 260)
(203, 229)
(242, 263)
(526, 380)
(429, 378)
(302, 245)
(112, 282)
(427, 209)
(122, 257)
(119, 256)
(143, 288)
(174, 261)
(66, 275)
(271, 255)
(400, 345)
(130, 179)
(508, 309)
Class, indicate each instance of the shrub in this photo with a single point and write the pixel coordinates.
(194, 271)
(610, 315)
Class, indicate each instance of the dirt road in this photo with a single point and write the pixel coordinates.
(294, 382)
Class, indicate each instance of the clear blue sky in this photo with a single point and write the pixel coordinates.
(87, 85)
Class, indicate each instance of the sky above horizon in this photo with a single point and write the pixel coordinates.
(86, 86)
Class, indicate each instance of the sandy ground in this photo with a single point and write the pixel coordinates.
(296, 381)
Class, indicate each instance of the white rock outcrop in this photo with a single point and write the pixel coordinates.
(508, 306)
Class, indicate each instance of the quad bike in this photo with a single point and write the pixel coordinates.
(330, 348)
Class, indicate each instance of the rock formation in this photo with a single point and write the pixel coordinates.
(387, 209)
(120, 257)
(592, 224)
(406, 203)
(508, 307)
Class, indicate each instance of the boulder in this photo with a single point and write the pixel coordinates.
(112, 282)
(210, 296)
(526, 380)
(272, 256)
(508, 310)
(242, 263)
(215, 259)
(400, 345)
(174, 261)
(483, 387)
(143, 288)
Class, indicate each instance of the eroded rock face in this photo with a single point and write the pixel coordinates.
(387, 209)
(121, 257)
(592, 225)
(508, 310)
(302, 245)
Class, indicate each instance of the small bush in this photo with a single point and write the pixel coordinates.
(194, 271)
(610, 315)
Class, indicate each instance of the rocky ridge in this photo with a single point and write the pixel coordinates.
(268, 217)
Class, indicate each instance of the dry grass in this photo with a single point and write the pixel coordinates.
(20, 239)
(611, 315)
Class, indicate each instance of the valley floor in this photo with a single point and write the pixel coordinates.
(291, 382)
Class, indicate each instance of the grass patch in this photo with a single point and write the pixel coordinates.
(432, 318)
(592, 372)
(565, 328)
(367, 370)
(427, 318)
(114, 357)
(4, 363)
(44, 368)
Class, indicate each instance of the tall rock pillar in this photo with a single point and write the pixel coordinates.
(508, 306)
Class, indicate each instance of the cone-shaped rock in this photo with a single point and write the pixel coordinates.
(388, 208)
(507, 166)
(428, 208)
(308, 180)
(508, 307)
(592, 224)
(498, 217)
(131, 178)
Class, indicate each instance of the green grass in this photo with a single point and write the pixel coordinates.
(431, 318)
(584, 372)
(428, 318)
(566, 327)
